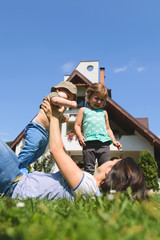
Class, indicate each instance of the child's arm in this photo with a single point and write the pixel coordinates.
(78, 125)
(63, 102)
(110, 133)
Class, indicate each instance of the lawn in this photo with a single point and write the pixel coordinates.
(112, 217)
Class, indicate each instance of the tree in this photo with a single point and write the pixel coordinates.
(43, 165)
(150, 170)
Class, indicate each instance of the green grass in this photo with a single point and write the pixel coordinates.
(91, 219)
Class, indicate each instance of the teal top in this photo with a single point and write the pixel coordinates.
(94, 125)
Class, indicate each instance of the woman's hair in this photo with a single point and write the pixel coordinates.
(126, 173)
(96, 88)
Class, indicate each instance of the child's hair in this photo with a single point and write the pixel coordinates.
(96, 88)
(126, 173)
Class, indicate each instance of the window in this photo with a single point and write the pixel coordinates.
(81, 102)
(70, 127)
(90, 68)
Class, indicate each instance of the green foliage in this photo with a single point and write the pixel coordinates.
(150, 170)
(99, 218)
(44, 165)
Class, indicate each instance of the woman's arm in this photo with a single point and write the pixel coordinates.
(78, 127)
(71, 172)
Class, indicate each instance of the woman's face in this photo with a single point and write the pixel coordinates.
(107, 166)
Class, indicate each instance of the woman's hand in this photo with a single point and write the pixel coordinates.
(46, 106)
(51, 110)
(107, 166)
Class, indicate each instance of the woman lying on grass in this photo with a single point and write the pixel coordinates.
(70, 180)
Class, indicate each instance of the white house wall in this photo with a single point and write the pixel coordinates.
(66, 77)
(83, 69)
(74, 144)
(90, 75)
(134, 142)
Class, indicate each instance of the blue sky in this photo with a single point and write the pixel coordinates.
(41, 41)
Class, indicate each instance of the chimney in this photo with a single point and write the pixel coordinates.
(102, 77)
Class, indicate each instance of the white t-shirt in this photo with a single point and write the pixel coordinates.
(53, 186)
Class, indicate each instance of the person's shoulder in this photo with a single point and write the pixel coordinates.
(81, 110)
(104, 111)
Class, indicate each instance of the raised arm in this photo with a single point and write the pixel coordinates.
(63, 102)
(71, 172)
(78, 127)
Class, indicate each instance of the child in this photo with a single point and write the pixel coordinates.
(97, 134)
(37, 132)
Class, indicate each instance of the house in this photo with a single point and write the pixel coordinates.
(132, 133)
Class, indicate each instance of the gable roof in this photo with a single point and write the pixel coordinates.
(143, 121)
(78, 79)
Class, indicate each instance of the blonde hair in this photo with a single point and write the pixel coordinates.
(96, 88)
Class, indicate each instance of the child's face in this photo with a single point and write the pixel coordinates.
(96, 102)
(64, 93)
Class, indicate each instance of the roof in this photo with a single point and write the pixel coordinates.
(130, 123)
(17, 139)
(78, 79)
(144, 122)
